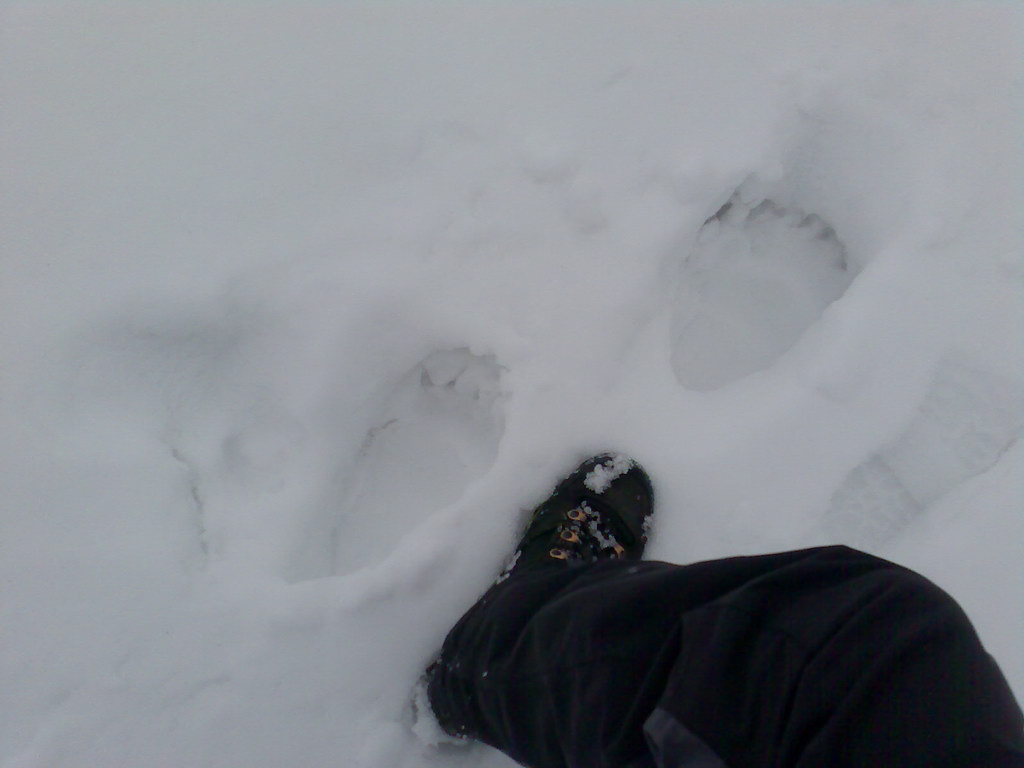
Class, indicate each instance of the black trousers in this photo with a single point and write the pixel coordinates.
(819, 658)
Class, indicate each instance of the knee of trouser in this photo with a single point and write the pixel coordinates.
(906, 599)
(882, 598)
(897, 577)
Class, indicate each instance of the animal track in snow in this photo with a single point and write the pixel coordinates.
(758, 277)
(968, 419)
(439, 431)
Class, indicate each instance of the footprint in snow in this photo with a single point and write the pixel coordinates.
(758, 276)
(968, 419)
(438, 432)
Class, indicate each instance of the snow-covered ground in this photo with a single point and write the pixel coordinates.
(303, 306)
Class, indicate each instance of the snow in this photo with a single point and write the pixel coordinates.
(509, 566)
(605, 473)
(306, 306)
(605, 539)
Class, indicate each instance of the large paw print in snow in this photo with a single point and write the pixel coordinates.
(759, 276)
(438, 433)
(968, 419)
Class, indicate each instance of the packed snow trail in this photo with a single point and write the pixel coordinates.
(305, 308)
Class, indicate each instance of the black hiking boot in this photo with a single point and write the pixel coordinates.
(602, 510)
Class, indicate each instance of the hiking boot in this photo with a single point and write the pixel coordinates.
(602, 510)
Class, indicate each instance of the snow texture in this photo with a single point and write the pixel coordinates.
(604, 474)
(306, 305)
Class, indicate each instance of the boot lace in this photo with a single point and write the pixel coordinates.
(585, 535)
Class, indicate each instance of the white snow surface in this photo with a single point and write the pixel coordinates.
(305, 305)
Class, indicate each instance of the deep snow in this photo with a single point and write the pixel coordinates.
(305, 306)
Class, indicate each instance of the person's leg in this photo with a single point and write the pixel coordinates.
(842, 659)
(560, 666)
(509, 673)
(817, 657)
